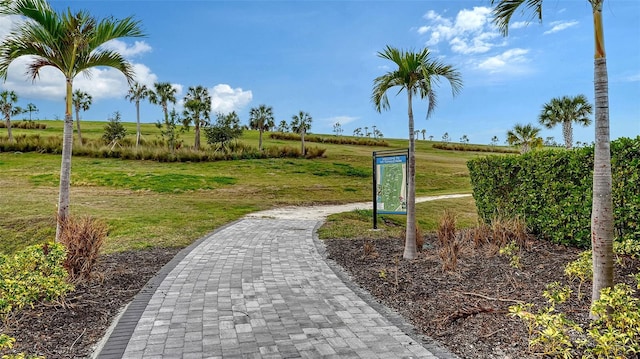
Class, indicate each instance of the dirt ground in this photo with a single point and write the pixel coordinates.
(464, 309)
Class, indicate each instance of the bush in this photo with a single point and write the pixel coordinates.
(31, 275)
(552, 190)
(473, 148)
(334, 140)
(83, 238)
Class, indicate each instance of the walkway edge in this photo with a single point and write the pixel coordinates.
(119, 332)
(435, 347)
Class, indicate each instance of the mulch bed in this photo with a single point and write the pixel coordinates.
(72, 327)
(464, 309)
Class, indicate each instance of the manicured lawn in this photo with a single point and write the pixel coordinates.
(152, 204)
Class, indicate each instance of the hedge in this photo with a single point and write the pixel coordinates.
(552, 190)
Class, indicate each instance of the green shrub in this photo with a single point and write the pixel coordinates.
(474, 148)
(32, 275)
(552, 191)
(338, 140)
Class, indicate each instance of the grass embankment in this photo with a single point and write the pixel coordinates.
(151, 204)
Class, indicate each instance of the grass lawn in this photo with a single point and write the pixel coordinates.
(152, 204)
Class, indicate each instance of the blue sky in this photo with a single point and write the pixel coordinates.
(321, 57)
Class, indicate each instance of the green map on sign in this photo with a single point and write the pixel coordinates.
(391, 195)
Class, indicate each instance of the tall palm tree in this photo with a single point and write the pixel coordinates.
(261, 119)
(416, 73)
(301, 124)
(8, 100)
(566, 110)
(602, 206)
(81, 101)
(162, 94)
(71, 43)
(526, 137)
(136, 93)
(197, 105)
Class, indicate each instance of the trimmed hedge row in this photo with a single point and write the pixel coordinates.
(552, 190)
(338, 140)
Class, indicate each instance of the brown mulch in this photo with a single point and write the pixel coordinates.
(464, 309)
(72, 327)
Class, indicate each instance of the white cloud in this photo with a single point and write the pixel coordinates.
(471, 32)
(138, 47)
(632, 78)
(557, 26)
(343, 120)
(509, 61)
(225, 99)
(519, 24)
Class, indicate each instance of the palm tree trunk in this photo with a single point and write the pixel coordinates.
(196, 145)
(410, 251)
(137, 123)
(567, 132)
(302, 139)
(8, 123)
(78, 124)
(260, 140)
(602, 208)
(65, 167)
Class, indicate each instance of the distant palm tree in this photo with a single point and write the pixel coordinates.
(424, 134)
(526, 137)
(163, 94)
(31, 107)
(283, 126)
(8, 100)
(464, 139)
(137, 92)
(197, 105)
(417, 73)
(81, 101)
(494, 140)
(357, 132)
(301, 124)
(71, 43)
(566, 110)
(261, 119)
(602, 231)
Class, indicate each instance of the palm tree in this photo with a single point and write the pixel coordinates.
(31, 107)
(162, 94)
(301, 123)
(81, 101)
(283, 126)
(71, 43)
(424, 133)
(602, 205)
(526, 137)
(417, 73)
(7, 101)
(261, 119)
(197, 109)
(136, 93)
(566, 110)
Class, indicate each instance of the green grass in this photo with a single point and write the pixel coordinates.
(152, 204)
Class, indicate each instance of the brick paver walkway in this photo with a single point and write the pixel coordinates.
(260, 288)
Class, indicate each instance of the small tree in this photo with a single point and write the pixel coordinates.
(337, 128)
(226, 129)
(81, 101)
(8, 100)
(261, 119)
(377, 133)
(494, 140)
(524, 136)
(283, 126)
(31, 107)
(357, 132)
(169, 131)
(301, 124)
(464, 139)
(114, 131)
(424, 133)
(445, 137)
(431, 138)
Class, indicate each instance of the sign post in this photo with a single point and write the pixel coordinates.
(390, 183)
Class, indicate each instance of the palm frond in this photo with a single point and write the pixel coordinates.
(504, 10)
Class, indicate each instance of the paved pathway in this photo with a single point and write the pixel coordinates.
(260, 288)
